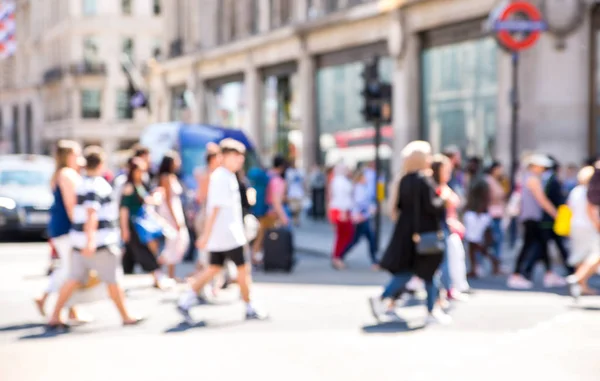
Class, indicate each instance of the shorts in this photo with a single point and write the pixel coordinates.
(105, 262)
(218, 258)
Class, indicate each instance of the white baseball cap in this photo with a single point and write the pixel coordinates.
(540, 160)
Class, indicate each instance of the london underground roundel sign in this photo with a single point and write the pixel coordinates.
(519, 18)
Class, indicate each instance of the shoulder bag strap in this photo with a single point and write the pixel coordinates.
(417, 201)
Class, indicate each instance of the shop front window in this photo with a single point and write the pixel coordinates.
(459, 90)
(344, 135)
(225, 105)
(177, 103)
(594, 132)
(281, 133)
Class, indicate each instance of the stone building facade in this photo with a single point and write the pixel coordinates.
(288, 73)
(66, 79)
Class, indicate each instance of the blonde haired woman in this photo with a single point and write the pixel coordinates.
(420, 210)
(585, 236)
(63, 184)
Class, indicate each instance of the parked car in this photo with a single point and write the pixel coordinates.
(25, 194)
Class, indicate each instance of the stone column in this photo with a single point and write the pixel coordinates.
(406, 105)
(300, 10)
(307, 101)
(253, 117)
(264, 23)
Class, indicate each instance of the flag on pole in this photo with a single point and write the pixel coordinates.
(8, 42)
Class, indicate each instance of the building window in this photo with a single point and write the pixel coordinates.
(126, 7)
(128, 48)
(281, 12)
(90, 104)
(89, 7)
(28, 129)
(281, 131)
(16, 136)
(124, 109)
(594, 128)
(178, 105)
(90, 50)
(459, 95)
(344, 135)
(156, 49)
(225, 104)
(254, 17)
(156, 7)
(331, 5)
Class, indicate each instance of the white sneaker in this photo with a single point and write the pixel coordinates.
(377, 307)
(438, 316)
(574, 287)
(552, 280)
(391, 316)
(519, 282)
(166, 283)
(454, 294)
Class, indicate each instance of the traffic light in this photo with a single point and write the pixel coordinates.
(376, 93)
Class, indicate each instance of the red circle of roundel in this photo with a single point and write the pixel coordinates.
(532, 13)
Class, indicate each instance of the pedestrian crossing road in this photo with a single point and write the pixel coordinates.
(320, 329)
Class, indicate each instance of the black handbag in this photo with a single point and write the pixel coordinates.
(430, 242)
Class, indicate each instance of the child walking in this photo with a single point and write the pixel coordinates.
(477, 227)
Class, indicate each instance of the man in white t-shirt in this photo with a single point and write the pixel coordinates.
(223, 235)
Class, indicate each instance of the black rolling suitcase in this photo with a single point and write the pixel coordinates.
(278, 250)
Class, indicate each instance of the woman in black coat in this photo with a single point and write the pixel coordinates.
(420, 210)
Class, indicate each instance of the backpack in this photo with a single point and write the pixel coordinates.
(259, 180)
(593, 193)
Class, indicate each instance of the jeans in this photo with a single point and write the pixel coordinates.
(513, 232)
(363, 229)
(498, 236)
(445, 266)
(400, 280)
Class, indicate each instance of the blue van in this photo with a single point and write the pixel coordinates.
(190, 140)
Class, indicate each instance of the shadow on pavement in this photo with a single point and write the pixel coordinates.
(392, 327)
(183, 327)
(52, 333)
(21, 327)
(586, 308)
(499, 284)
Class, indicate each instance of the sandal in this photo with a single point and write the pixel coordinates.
(135, 321)
(61, 327)
(589, 292)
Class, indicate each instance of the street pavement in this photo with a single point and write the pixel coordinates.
(320, 329)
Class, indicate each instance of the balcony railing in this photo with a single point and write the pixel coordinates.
(88, 68)
(54, 74)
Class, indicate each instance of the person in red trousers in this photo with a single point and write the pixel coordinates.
(340, 206)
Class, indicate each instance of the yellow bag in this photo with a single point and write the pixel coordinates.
(562, 223)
